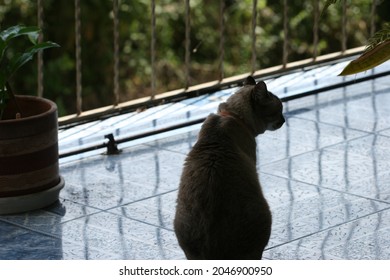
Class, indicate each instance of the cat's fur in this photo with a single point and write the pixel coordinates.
(221, 212)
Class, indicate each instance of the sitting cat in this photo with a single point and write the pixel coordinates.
(221, 211)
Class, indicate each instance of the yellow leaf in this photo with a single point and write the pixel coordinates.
(368, 60)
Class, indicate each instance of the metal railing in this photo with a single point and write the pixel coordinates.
(188, 88)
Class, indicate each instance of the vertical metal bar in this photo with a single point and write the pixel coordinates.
(316, 8)
(116, 51)
(290, 167)
(153, 49)
(40, 56)
(78, 57)
(187, 44)
(254, 24)
(222, 38)
(372, 18)
(285, 32)
(344, 27)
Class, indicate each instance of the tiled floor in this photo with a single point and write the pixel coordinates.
(325, 174)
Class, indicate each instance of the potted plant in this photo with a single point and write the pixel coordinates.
(29, 172)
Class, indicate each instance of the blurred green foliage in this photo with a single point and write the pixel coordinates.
(135, 36)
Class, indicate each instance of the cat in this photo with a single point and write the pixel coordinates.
(221, 212)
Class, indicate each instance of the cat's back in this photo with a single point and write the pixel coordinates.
(219, 154)
(214, 206)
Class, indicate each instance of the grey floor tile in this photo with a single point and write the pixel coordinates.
(343, 167)
(121, 237)
(294, 251)
(376, 187)
(298, 136)
(158, 210)
(32, 246)
(106, 182)
(385, 132)
(300, 209)
(8, 231)
(369, 113)
(78, 251)
(376, 147)
(364, 238)
(181, 143)
(49, 219)
(38, 221)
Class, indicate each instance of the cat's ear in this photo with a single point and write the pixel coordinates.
(249, 81)
(260, 91)
(222, 107)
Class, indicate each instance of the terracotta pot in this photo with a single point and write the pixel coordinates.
(29, 172)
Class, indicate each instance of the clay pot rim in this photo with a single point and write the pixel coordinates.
(52, 109)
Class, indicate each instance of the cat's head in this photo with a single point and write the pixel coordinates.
(256, 106)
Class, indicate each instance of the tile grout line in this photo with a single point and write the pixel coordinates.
(317, 150)
(118, 206)
(30, 229)
(328, 188)
(326, 229)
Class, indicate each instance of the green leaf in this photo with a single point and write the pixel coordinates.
(33, 37)
(22, 59)
(15, 31)
(18, 30)
(3, 46)
(9, 32)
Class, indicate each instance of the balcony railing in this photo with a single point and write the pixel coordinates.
(156, 96)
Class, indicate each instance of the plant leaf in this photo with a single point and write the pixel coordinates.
(22, 59)
(14, 31)
(368, 60)
(3, 46)
(9, 32)
(18, 30)
(379, 37)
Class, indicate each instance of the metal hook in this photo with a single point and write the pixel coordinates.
(112, 147)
